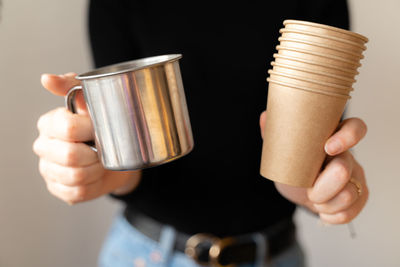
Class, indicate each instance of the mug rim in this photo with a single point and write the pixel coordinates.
(128, 66)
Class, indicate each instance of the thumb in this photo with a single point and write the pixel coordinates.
(61, 84)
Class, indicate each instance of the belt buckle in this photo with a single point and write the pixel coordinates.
(196, 244)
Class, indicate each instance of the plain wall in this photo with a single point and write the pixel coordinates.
(37, 229)
(375, 100)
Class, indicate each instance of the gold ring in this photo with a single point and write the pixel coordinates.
(357, 184)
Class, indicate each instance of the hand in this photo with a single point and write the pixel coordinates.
(72, 171)
(333, 196)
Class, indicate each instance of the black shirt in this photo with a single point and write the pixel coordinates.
(227, 50)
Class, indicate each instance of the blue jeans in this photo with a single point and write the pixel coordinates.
(125, 246)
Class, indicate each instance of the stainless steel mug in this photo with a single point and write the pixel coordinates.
(139, 113)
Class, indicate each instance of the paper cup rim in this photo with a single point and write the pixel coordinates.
(311, 62)
(308, 89)
(326, 27)
(360, 55)
(333, 38)
(344, 60)
(326, 84)
(322, 73)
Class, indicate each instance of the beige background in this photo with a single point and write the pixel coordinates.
(38, 230)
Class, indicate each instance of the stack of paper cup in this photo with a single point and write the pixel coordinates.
(310, 83)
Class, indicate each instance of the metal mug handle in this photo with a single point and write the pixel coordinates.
(70, 105)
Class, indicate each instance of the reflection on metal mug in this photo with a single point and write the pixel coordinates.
(139, 113)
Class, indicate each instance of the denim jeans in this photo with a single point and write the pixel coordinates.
(127, 247)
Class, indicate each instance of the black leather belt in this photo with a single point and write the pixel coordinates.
(207, 249)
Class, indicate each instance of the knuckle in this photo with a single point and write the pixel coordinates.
(40, 122)
(71, 155)
(347, 197)
(341, 171)
(314, 197)
(53, 190)
(43, 120)
(36, 146)
(318, 207)
(42, 168)
(67, 124)
(79, 193)
(66, 195)
(69, 128)
(50, 189)
(353, 137)
(77, 176)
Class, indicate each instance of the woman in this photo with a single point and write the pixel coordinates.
(216, 190)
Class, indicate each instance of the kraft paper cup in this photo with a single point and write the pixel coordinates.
(312, 75)
(325, 59)
(320, 48)
(308, 89)
(322, 29)
(295, 85)
(309, 83)
(311, 65)
(323, 39)
(298, 124)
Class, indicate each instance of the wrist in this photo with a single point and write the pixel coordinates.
(132, 181)
(297, 195)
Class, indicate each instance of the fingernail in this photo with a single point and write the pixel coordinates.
(333, 147)
(44, 76)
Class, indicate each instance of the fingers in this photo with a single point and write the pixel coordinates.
(347, 203)
(64, 125)
(71, 170)
(332, 179)
(335, 199)
(347, 215)
(70, 176)
(73, 173)
(82, 190)
(342, 201)
(64, 153)
(75, 194)
(61, 84)
(349, 133)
